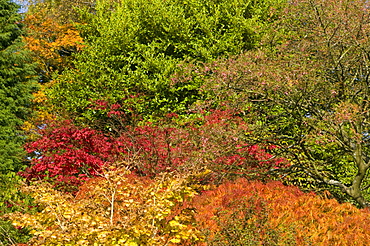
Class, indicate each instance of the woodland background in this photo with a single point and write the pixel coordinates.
(185, 122)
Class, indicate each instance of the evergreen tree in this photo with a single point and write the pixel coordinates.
(17, 80)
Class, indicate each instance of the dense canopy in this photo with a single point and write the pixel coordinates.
(132, 122)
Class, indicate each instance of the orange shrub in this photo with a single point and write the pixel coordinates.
(274, 214)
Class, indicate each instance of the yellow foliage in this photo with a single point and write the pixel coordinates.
(39, 96)
(115, 209)
(48, 38)
(41, 113)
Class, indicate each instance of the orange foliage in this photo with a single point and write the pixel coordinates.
(323, 221)
(122, 209)
(52, 43)
(290, 215)
(41, 114)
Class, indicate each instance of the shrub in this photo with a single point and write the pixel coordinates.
(67, 154)
(117, 208)
(274, 214)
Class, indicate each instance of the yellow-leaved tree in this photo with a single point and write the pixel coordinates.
(117, 208)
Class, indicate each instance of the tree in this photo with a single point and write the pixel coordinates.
(64, 12)
(67, 155)
(17, 79)
(329, 104)
(132, 52)
(52, 43)
(53, 39)
(246, 212)
(117, 208)
(308, 94)
(52, 35)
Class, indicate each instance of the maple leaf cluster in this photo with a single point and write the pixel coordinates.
(67, 154)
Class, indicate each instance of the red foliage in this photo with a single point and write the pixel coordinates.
(156, 148)
(69, 154)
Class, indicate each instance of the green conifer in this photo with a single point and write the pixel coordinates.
(17, 80)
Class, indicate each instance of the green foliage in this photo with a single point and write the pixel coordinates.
(16, 85)
(308, 96)
(10, 235)
(11, 200)
(134, 47)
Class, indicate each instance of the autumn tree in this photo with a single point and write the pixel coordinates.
(253, 213)
(328, 96)
(52, 43)
(67, 155)
(117, 208)
(52, 34)
(53, 39)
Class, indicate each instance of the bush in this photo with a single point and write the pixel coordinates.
(273, 214)
(67, 154)
(117, 208)
(12, 200)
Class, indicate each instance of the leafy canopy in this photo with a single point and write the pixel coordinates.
(308, 95)
(134, 47)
